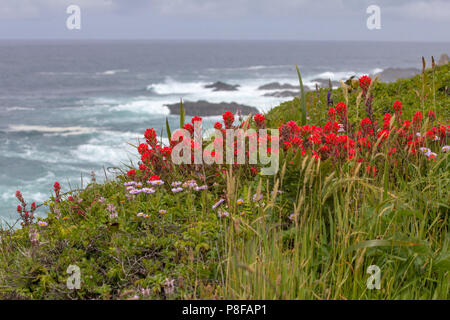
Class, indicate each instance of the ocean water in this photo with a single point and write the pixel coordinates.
(67, 108)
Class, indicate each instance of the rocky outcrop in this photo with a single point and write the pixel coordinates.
(443, 60)
(204, 108)
(393, 74)
(282, 94)
(222, 86)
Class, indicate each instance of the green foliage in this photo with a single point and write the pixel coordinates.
(182, 114)
(302, 97)
(117, 257)
(409, 91)
(169, 132)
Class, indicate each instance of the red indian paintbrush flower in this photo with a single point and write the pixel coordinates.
(387, 121)
(143, 148)
(57, 189)
(194, 119)
(341, 109)
(19, 197)
(260, 121)
(431, 115)
(150, 136)
(398, 107)
(228, 119)
(417, 119)
(189, 127)
(332, 114)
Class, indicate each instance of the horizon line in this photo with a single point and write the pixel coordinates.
(217, 40)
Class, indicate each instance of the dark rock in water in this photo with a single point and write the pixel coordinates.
(443, 60)
(393, 74)
(222, 86)
(282, 94)
(277, 86)
(325, 84)
(204, 108)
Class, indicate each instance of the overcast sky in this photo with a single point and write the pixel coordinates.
(401, 20)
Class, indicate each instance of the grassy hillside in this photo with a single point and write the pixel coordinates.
(350, 193)
(427, 91)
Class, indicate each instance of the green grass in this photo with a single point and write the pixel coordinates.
(313, 257)
(436, 97)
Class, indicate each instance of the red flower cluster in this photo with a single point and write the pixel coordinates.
(364, 83)
(431, 115)
(228, 119)
(332, 114)
(194, 119)
(150, 137)
(398, 107)
(326, 142)
(153, 157)
(157, 159)
(260, 121)
(57, 189)
(219, 143)
(417, 119)
(26, 216)
(341, 109)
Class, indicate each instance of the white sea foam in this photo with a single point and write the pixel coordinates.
(63, 131)
(112, 72)
(30, 151)
(112, 147)
(376, 71)
(341, 75)
(106, 146)
(64, 73)
(257, 67)
(98, 153)
(18, 108)
(142, 106)
(262, 67)
(32, 197)
(171, 86)
(334, 76)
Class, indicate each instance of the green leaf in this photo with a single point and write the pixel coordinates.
(442, 262)
(169, 133)
(302, 98)
(386, 178)
(181, 114)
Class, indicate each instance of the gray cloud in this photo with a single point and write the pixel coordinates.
(425, 10)
(431, 9)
